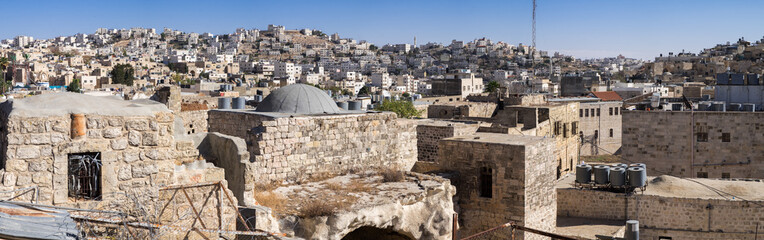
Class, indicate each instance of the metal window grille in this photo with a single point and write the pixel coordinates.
(85, 176)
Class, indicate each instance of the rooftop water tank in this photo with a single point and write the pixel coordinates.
(637, 176)
(735, 107)
(676, 107)
(617, 177)
(601, 174)
(583, 173)
(354, 105)
(704, 106)
(748, 107)
(224, 103)
(258, 98)
(718, 106)
(239, 103)
(343, 105)
(621, 165)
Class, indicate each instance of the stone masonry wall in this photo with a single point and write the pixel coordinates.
(668, 143)
(522, 181)
(429, 133)
(603, 123)
(194, 121)
(297, 147)
(679, 218)
(137, 154)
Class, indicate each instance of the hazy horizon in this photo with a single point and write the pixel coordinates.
(591, 29)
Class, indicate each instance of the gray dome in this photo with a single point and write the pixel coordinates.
(299, 99)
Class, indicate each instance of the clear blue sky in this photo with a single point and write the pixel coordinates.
(584, 28)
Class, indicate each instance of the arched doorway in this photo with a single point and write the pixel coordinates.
(367, 232)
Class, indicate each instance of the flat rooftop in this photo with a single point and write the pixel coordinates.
(497, 138)
(283, 115)
(670, 186)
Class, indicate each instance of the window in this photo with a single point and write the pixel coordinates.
(564, 130)
(611, 132)
(617, 110)
(702, 175)
(557, 128)
(587, 112)
(610, 110)
(598, 112)
(85, 175)
(573, 128)
(486, 182)
(596, 134)
(580, 113)
(725, 175)
(664, 238)
(725, 137)
(702, 137)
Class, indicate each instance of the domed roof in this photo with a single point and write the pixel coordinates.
(299, 99)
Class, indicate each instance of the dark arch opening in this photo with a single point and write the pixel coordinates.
(367, 232)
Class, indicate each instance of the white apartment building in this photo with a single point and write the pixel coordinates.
(382, 80)
(286, 69)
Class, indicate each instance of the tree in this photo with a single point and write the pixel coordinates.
(3, 65)
(403, 108)
(363, 91)
(74, 86)
(406, 95)
(123, 74)
(373, 47)
(492, 86)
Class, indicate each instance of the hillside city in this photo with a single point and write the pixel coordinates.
(280, 133)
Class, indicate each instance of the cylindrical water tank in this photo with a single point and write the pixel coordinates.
(718, 106)
(224, 103)
(704, 106)
(621, 165)
(601, 174)
(239, 103)
(583, 173)
(748, 107)
(258, 98)
(637, 176)
(354, 105)
(642, 165)
(632, 230)
(735, 107)
(617, 176)
(343, 105)
(259, 92)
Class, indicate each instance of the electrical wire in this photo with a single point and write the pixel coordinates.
(715, 190)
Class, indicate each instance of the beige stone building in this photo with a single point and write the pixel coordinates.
(502, 178)
(663, 212)
(102, 153)
(696, 144)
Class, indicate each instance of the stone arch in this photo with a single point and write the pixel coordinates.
(369, 232)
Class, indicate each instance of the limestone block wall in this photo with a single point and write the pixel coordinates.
(429, 133)
(137, 153)
(603, 123)
(461, 110)
(216, 210)
(679, 218)
(230, 153)
(668, 143)
(291, 148)
(194, 121)
(522, 181)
